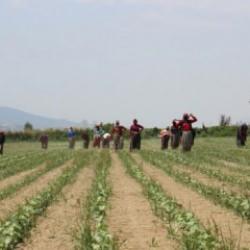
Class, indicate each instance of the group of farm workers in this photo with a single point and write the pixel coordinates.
(102, 138)
(181, 132)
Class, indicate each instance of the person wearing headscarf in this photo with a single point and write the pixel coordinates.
(98, 133)
(106, 139)
(135, 135)
(187, 138)
(165, 135)
(71, 137)
(117, 135)
(175, 135)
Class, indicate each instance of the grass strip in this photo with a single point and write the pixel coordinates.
(93, 234)
(27, 163)
(53, 162)
(181, 224)
(195, 163)
(15, 228)
(238, 204)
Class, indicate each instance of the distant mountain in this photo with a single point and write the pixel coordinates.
(14, 119)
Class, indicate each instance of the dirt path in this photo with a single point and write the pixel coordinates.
(204, 179)
(11, 204)
(231, 226)
(130, 217)
(55, 230)
(18, 177)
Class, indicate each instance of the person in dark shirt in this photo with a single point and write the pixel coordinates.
(135, 135)
(241, 136)
(175, 135)
(117, 135)
(85, 138)
(2, 141)
(44, 139)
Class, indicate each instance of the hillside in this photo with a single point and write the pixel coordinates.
(14, 119)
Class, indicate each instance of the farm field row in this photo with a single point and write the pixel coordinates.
(101, 199)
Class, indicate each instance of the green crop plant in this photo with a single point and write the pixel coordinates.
(15, 228)
(93, 234)
(237, 203)
(182, 224)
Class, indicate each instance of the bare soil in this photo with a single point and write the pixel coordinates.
(230, 225)
(204, 179)
(130, 217)
(10, 204)
(18, 177)
(55, 231)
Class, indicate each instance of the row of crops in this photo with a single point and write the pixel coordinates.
(93, 232)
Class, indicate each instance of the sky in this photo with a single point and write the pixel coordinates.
(103, 60)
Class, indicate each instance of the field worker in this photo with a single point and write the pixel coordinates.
(71, 137)
(165, 135)
(175, 135)
(2, 141)
(117, 135)
(187, 139)
(135, 135)
(44, 139)
(98, 132)
(85, 138)
(242, 135)
(106, 139)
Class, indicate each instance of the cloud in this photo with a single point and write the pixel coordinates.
(18, 3)
(223, 5)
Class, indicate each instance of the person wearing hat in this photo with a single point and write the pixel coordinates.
(2, 141)
(135, 135)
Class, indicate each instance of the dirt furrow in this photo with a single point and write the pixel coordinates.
(55, 231)
(11, 204)
(230, 225)
(130, 217)
(228, 187)
(18, 177)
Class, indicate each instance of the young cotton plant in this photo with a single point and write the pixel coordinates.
(94, 234)
(182, 224)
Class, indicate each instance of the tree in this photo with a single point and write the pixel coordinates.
(224, 120)
(28, 126)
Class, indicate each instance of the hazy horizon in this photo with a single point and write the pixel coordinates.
(102, 60)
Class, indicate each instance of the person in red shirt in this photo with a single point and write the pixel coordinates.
(187, 139)
(135, 135)
(117, 135)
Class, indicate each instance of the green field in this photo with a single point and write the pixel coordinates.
(101, 199)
